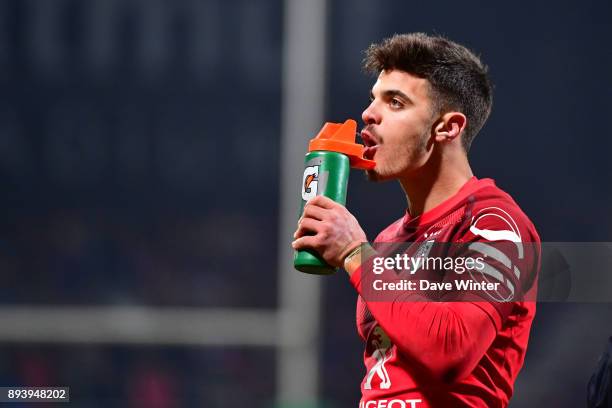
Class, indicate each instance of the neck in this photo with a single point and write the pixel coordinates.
(435, 182)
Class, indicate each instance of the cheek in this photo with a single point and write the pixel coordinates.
(402, 153)
(394, 156)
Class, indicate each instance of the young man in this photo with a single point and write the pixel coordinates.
(431, 98)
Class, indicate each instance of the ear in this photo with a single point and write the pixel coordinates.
(450, 126)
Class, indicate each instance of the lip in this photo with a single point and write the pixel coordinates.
(370, 143)
(368, 139)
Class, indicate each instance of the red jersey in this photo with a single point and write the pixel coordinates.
(408, 343)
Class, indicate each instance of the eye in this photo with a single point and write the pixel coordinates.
(396, 103)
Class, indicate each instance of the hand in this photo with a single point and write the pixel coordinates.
(328, 228)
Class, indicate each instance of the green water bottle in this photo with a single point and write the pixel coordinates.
(327, 165)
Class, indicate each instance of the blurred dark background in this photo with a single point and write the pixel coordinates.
(139, 159)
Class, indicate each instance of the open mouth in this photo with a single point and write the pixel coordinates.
(371, 145)
(369, 152)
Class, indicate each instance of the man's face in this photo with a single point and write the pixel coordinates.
(398, 125)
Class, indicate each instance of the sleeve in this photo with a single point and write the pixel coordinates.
(509, 247)
(445, 340)
(448, 336)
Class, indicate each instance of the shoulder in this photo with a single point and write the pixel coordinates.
(494, 216)
(497, 228)
(392, 232)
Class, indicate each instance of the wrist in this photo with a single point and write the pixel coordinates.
(354, 259)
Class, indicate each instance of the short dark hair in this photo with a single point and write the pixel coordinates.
(458, 79)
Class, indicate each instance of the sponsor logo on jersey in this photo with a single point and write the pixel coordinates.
(511, 233)
(432, 235)
(382, 353)
(391, 403)
(507, 231)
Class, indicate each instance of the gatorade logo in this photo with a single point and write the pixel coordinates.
(310, 182)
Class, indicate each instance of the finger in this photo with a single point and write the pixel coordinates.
(308, 226)
(322, 201)
(312, 211)
(306, 242)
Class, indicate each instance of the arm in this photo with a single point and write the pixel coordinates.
(446, 339)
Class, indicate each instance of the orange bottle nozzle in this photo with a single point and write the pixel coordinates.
(340, 137)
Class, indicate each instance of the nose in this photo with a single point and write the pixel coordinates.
(370, 115)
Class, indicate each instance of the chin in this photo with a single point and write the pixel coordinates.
(373, 175)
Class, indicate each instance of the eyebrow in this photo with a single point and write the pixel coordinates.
(390, 93)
